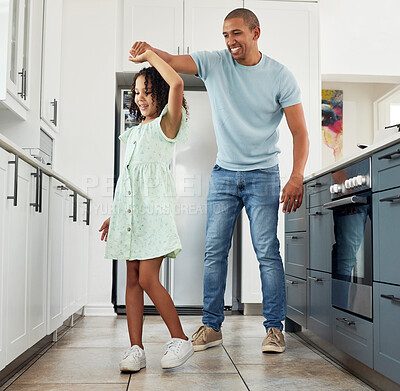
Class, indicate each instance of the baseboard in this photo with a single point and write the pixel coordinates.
(99, 310)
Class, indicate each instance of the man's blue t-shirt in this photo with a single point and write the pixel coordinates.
(247, 104)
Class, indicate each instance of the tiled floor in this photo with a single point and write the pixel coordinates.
(86, 358)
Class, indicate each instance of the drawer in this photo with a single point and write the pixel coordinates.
(297, 221)
(386, 338)
(353, 335)
(386, 169)
(319, 304)
(296, 254)
(317, 191)
(296, 298)
(386, 235)
(321, 239)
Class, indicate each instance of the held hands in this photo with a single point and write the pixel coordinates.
(139, 52)
(104, 228)
(292, 194)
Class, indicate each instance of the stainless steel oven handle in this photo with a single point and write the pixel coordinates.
(346, 201)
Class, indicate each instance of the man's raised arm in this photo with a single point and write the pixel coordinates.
(180, 63)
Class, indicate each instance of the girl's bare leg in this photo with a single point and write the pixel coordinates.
(134, 303)
(149, 280)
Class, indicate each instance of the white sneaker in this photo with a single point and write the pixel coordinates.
(134, 360)
(177, 351)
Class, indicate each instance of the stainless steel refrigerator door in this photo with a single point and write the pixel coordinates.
(192, 165)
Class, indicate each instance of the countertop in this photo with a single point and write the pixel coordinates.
(11, 147)
(363, 153)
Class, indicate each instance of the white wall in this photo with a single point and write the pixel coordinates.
(358, 112)
(84, 150)
(360, 37)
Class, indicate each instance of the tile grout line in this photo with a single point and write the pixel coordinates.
(129, 382)
(237, 370)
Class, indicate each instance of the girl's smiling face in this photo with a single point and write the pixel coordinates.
(144, 100)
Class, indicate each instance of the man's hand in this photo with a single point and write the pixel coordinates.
(104, 228)
(139, 48)
(292, 194)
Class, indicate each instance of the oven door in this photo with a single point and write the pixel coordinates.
(352, 254)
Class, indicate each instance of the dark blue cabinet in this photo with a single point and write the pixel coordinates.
(386, 236)
(386, 330)
(353, 335)
(386, 168)
(319, 304)
(321, 239)
(296, 296)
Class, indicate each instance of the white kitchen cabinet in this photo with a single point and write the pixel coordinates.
(37, 250)
(180, 26)
(17, 259)
(4, 157)
(158, 22)
(289, 34)
(203, 22)
(51, 63)
(57, 217)
(70, 254)
(18, 69)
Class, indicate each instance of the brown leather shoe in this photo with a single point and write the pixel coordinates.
(274, 341)
(206, 337)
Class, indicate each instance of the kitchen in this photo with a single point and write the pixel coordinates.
(92, 61)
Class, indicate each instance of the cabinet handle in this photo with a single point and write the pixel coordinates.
(40, 190)
(22, 94)
(292, 282)
(316, 184)
(187, 50)
(346, 321)
(293, 237)
(389, 155)
(178, 50)
(36, 203)
(316, 279)
(74, 207)
(54, 103)
(87, 202)
(62, 187)
(390, 199)
(392, 298)
(315, 214)
(14, 197)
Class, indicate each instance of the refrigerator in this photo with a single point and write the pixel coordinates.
(191, 167)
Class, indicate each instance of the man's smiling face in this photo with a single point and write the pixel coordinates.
(240, 40)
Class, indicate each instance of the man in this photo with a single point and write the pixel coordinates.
(249, 92)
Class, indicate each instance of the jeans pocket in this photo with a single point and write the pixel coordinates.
(216, 168)
(270, 170)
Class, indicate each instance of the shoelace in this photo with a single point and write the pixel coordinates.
(274, 335)
(172, 346)
(134, 351)
(199, 332)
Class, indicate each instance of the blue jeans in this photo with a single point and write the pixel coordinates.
(258, 191)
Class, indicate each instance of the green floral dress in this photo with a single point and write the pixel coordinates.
(142, 224)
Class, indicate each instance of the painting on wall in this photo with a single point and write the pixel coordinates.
(332, 121)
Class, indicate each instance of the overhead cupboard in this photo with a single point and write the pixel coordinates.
(30, 42)
(43, 252)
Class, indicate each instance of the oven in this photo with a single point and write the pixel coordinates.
(351, 253)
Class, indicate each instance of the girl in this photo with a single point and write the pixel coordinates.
(141, 228)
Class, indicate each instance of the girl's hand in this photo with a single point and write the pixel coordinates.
(104, 228)
(140, 58)
(139, 47)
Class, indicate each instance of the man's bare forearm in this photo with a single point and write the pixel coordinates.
(300, 153)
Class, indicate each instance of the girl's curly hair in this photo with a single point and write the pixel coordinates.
(159, 92)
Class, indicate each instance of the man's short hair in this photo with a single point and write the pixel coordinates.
(249, 18)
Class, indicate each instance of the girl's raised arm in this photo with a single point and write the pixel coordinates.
(170, 123)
